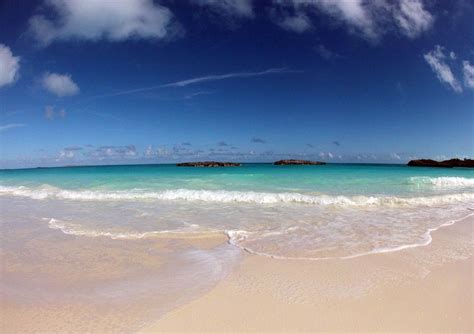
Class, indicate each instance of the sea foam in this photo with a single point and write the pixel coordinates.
(224, 196)
(442, 182)
(238, 237)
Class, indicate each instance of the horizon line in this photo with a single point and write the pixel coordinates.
(174, 163)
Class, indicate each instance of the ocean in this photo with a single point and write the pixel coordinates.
(296, 212)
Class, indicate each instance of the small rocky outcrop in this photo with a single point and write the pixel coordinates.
(208, 164)
(297, 162)
(445, 163)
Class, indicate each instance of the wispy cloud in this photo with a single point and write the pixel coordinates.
(193, 95)
(468, 71)
(193, 81)
(51, 113)
(325, 53)
(258, 140)
(299, 22)
(232, 8)
(104, 152)
(11, 126)
(368, 19)
(412, 18)
(207, 78)
(436, 59)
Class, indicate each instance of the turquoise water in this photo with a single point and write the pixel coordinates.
(347, 179)
(316, 212)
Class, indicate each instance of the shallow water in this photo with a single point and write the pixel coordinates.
(315, 212)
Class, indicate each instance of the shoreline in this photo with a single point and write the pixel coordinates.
(373, 252)
(53, 281)
(419, 289)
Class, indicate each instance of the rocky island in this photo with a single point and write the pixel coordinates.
(297, 162)
(445, 163)
(208, 164)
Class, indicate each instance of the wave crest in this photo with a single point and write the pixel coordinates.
(442, 182)
(224, 196)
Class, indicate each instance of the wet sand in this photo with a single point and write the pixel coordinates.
(420, 289)
(51, 282)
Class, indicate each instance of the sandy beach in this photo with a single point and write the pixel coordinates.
(419, 289)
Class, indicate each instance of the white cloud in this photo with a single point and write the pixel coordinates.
(108, 19)
(114, 152)
(395, 156)
(69, 152)
(66, 154)
(149, 151)
(355, 13)
(59, 84)
(9, 66)
(412, 18)
(163, 152)
(11, 126)
(468, 71)
(452, 55)
(368, 19)
(238, 8)
(436, 59)
(50, 113)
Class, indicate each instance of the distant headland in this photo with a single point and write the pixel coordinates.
(445, 163)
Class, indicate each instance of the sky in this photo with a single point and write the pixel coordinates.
(143, 81)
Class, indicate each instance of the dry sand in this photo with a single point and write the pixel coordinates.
(57, 283)
(420, 289)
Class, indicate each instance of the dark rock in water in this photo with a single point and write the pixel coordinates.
(427, 163)
(298, 162)
(208, 164)
(459, 162)
(446, 163)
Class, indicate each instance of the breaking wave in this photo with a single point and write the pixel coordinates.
(442, 182)
(224, 196)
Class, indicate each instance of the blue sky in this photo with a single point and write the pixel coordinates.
(142, 81)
